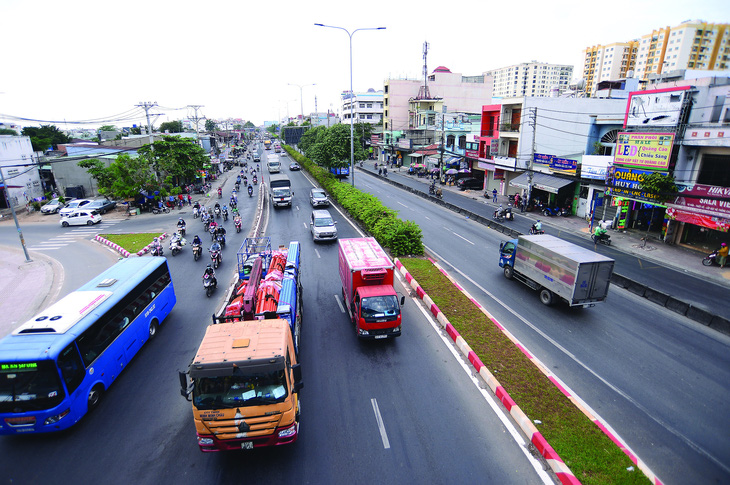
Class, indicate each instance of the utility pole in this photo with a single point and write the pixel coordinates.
(147, 105)
(196, 119)
(15, 217)
(533, 123)
(441, 161)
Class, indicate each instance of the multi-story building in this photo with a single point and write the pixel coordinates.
(609, 62)
(535, 79)
(693, 44)
(22, 181)
(366, 107)
(408, 100)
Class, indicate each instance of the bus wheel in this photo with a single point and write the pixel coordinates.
(153, 328)
(95, 396)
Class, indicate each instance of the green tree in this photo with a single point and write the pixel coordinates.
(210, 125)
(108, 128)
(176, 159)
(272, 128)
(249, 125)
(124, 178)
(45, 136)
(135, 130)
(171, 126)
(7, 131)
(659, 187)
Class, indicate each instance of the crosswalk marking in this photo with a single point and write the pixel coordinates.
(73, 235)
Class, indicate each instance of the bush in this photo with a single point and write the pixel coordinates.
(400, 237)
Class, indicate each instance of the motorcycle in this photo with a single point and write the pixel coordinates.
(217, 212)
(181, 230)
(221, 238)
(196, 212)
(565, 212)
(255, 180)
(220, 192)
(505, 215)
(234, 204)
(238, 185)
(711, 258)
(534, 230)
(216, 257)
(250, 191)
(158, 210)
(209, 284)
(550, 211)
(603, 239)
(197, 251)
(237, 223)
(156, 250)
(176, 245)
(225, 215)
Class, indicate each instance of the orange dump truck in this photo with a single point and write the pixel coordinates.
(244, 382)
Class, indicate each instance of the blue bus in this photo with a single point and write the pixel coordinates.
(55, 367)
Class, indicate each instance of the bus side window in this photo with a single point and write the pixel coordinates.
(72, 369)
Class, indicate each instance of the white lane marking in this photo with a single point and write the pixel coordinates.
(381, 426)
(305, 225)
(319, 256)
(621, 393)
(496, 406)
(458, 235)
(45, 248)
(339, 303)
(401, 203)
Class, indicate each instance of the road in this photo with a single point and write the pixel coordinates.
(437, 425)
(653, 375)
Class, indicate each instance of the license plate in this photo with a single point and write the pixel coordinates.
(381, 336)
(247, 445)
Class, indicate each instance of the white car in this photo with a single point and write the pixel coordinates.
(73, 205)
(81, 217)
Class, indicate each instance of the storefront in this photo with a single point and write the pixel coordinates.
(700, 216)
(546, 189)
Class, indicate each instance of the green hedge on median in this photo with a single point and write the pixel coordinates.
(400, 237)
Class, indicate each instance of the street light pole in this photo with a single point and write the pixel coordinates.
(301, 100)
(352, 121)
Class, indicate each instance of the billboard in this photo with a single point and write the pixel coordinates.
(627, 183)
(556, 164)
(644, 150)
(658, 107)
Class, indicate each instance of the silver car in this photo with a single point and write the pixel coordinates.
(53, 206)
(318, 198)
(322, 225)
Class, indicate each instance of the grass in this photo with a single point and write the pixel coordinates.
(590, 454)
(131, 242)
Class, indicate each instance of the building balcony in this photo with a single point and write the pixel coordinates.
(509, 127)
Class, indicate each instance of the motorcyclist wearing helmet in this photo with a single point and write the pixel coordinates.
(250, 190)
(181, 224)
(209, 271)
(197, 241)
(156, 246)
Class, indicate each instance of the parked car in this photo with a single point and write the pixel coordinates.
(469, 183)
(318, 197)
(53, 206)
(322, 225)
(294, 166)
(80, 217)
(102, 206)
(73, 205)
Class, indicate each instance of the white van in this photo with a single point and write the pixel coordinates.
(274, 166)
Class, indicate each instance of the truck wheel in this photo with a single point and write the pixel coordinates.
(546, 297)
(509, 272)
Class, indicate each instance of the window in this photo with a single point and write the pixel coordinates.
(72, 369)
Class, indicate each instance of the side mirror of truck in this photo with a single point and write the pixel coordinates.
(402, 300)
(184, 389)
(501, 245)
(297, 373)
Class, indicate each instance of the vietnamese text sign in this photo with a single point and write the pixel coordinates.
(706, 198)
(644, 150)
(627, 183)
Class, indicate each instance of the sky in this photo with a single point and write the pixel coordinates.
(82, 60)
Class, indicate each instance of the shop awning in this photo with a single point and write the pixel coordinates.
(541, 181)
(415, 155)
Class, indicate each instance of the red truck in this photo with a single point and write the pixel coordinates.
(366, 272)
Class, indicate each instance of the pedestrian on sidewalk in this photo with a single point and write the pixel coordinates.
(722, 254)
(494, 195)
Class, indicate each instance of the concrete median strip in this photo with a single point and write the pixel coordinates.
(564, 474)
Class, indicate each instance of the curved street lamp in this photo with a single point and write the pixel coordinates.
(352, 121)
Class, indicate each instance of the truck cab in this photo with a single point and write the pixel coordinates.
(376, 312)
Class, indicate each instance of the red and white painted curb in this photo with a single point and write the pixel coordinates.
(536, 438)
(123, 251)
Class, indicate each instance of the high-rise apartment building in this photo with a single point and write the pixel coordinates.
(693, 44)
(531, 79)
(608, 62)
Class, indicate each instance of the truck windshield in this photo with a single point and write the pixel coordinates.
(29, 386)
(380, 307)
(236, 391)
(281, 192)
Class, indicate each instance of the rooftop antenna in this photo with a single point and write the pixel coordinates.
(423, 92)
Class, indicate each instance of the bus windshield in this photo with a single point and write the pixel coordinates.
(29, 386)
(236, 391)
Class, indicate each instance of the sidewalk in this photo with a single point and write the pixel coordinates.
(676, 257)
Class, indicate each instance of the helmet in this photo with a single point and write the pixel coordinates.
(723, 244)
(210, 266)
(180, 220)
(155, 240)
